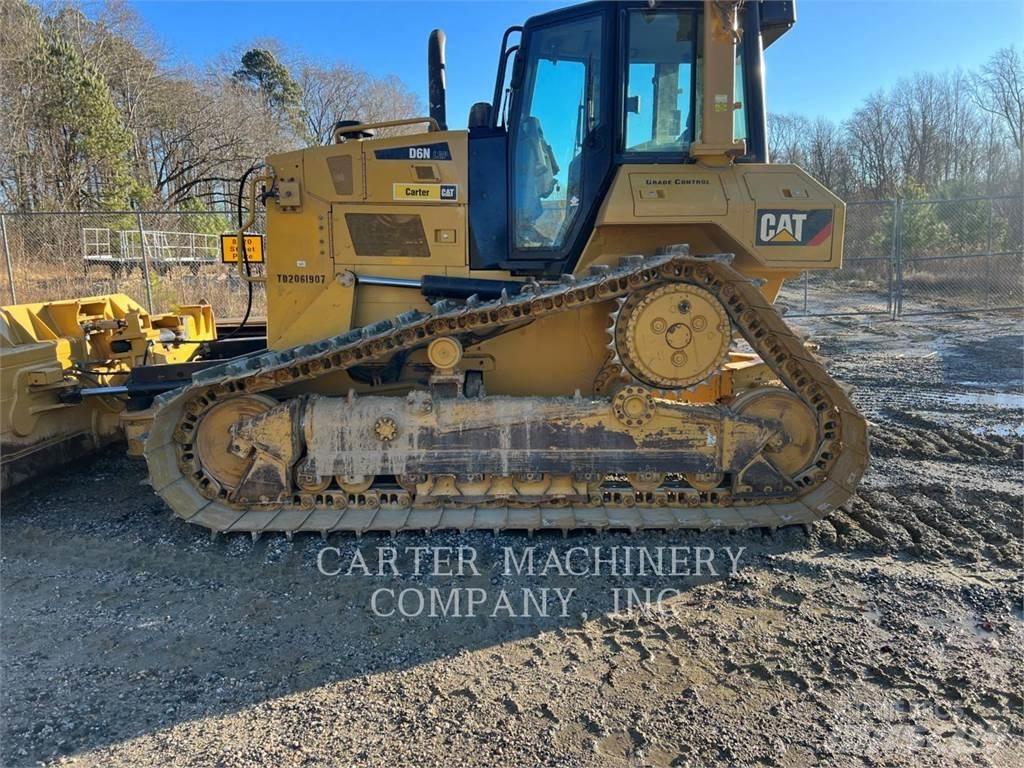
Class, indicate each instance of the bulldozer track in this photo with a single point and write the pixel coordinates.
(829, 480)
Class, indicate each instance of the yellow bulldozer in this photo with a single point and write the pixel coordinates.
(559, 318)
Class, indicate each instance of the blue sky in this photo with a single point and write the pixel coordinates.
(839, 52)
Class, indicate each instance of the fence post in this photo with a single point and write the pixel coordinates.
(988, 256)
(7, 259)
(145, 260)
(897, 257)
(85, 253)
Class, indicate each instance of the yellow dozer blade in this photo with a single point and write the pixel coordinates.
(50, 352)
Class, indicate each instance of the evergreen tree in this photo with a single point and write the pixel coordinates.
(92, 144)
(923, 231)
(261, 70)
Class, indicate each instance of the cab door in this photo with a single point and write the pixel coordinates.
(560, 139)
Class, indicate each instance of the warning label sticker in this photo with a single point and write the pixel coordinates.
(253, 249)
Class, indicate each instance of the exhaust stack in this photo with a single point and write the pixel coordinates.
(436, 78)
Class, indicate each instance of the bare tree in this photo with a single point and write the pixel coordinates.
(828, 158)
(930, 134)
(388, 98)
(999, 91)
(329, 94)
(785, 138)
(917, 105)
(874, 137)
(341, 92)
(198, 136)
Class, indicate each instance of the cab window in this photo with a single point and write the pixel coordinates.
(739, 117)
(560, 108)
(661, 81)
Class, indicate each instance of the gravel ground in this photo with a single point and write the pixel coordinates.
(888, 634)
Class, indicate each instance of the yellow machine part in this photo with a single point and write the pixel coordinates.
(654, 386)
(49, 349)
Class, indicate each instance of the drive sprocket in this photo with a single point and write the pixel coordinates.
(673, 336)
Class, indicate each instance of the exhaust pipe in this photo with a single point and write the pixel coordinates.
(436, 78)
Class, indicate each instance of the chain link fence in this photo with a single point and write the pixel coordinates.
(914, 257)
(158, 258)
(902, 258)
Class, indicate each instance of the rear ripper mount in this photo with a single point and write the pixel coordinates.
(227, 455)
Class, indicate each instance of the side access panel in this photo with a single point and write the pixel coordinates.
(774, 217)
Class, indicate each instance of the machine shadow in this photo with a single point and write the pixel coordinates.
(127, 623)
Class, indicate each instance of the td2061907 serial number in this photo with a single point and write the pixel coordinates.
(307, 279)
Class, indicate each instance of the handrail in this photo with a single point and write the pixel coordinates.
(240, 234)
(498, 115)
(499, 79)
(343, 129)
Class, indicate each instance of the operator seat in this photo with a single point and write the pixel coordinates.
(537, 167)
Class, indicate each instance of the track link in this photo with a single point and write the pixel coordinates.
(840, 461)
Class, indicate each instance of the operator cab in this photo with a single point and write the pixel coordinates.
(590, 88)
